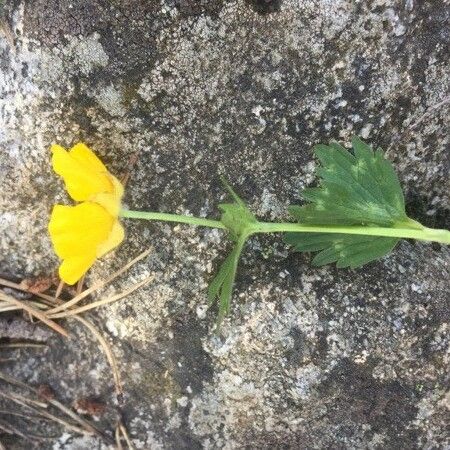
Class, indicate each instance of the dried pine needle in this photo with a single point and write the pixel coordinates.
(125, 435)
(34, 312)
(100, 284)
(98, 303)
(108, 352)
(117, 436)
(18, 287)
(14, 345)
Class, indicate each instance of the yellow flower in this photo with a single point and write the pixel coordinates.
(82, 233)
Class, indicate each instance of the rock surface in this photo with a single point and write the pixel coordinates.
(308, 358)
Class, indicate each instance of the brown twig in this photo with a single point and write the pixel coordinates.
(34, 312)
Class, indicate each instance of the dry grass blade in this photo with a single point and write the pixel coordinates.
(87, 425)
(10, 429)
(2, 447)
(47, 303)
(9, 308)
(34, 312)
(108, 352)
(100, 284)
(80, 285)
(98, 303)
(6, 430)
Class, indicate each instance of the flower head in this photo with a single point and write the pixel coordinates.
(82, 233)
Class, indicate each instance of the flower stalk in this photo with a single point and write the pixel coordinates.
(166, 217)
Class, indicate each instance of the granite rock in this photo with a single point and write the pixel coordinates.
(308, 358)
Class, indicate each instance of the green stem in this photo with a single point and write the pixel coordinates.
(165, 217)
(424, 234)
(401, 231)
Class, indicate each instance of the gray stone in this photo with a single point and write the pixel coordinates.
(308, 358)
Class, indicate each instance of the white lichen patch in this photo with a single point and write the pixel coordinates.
(110, 99)
(85, 53)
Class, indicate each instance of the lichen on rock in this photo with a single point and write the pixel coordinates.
(308, 358)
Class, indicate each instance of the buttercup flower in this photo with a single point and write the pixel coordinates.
(82, 233)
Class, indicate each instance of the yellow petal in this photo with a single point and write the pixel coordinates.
(83, 154)
(114, 239)
(79, 230)
(81, 173)
(118, 186)
(110, 201)
(86, 231)
(73, 268)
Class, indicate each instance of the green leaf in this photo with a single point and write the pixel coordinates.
(355, 189)
(238, 220)
(221, 286)
(359, 189)
(347, 250)
(235, 216)
(217, 282)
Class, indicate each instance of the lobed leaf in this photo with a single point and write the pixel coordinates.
(355, 189)
(359, 189)
(346, 250)
(221, 287)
